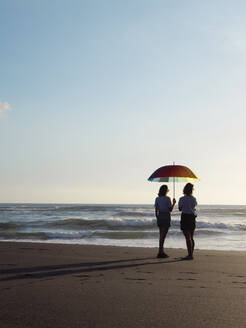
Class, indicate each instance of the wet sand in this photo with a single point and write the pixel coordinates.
(50, 285)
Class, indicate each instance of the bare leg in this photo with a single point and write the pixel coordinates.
(192, 241)
(189, 242)
(163, 233)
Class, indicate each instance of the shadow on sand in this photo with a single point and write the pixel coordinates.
(68, 269)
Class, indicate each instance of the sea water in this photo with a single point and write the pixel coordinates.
(218, 227)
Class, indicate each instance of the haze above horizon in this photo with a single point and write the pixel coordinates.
(96, 95)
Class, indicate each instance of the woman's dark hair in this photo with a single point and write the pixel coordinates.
(188, 188)
(163, 190)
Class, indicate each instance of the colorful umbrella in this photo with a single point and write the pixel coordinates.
(173, 173)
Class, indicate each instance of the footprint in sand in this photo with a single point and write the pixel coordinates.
(33, 249)
(83, 276)
(134, 279)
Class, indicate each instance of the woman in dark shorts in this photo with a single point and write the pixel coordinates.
(187, 204)
(163, 208)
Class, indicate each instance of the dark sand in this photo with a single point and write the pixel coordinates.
(49, 285)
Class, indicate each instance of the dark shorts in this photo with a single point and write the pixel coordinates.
(164, 220)
(188, 222)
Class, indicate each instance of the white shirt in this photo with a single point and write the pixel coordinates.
(187, 204)
(163, 204)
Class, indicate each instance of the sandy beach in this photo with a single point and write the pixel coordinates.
(54, 285)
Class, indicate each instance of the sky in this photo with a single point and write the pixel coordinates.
(96, 95)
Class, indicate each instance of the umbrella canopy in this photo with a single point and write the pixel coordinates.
(173, 173)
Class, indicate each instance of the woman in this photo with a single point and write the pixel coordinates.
(163, 208)
(187, 205)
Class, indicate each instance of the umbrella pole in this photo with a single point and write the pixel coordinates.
(173, 187)
(173, 184)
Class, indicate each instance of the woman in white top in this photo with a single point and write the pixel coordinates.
(187, 204)
(163, 208)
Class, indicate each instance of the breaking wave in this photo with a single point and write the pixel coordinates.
(113, 224)
(118, 225)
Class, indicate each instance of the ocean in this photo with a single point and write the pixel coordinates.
(219, 227)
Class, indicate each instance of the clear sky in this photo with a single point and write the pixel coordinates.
(95, 95)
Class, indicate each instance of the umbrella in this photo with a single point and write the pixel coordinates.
(173, 173)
